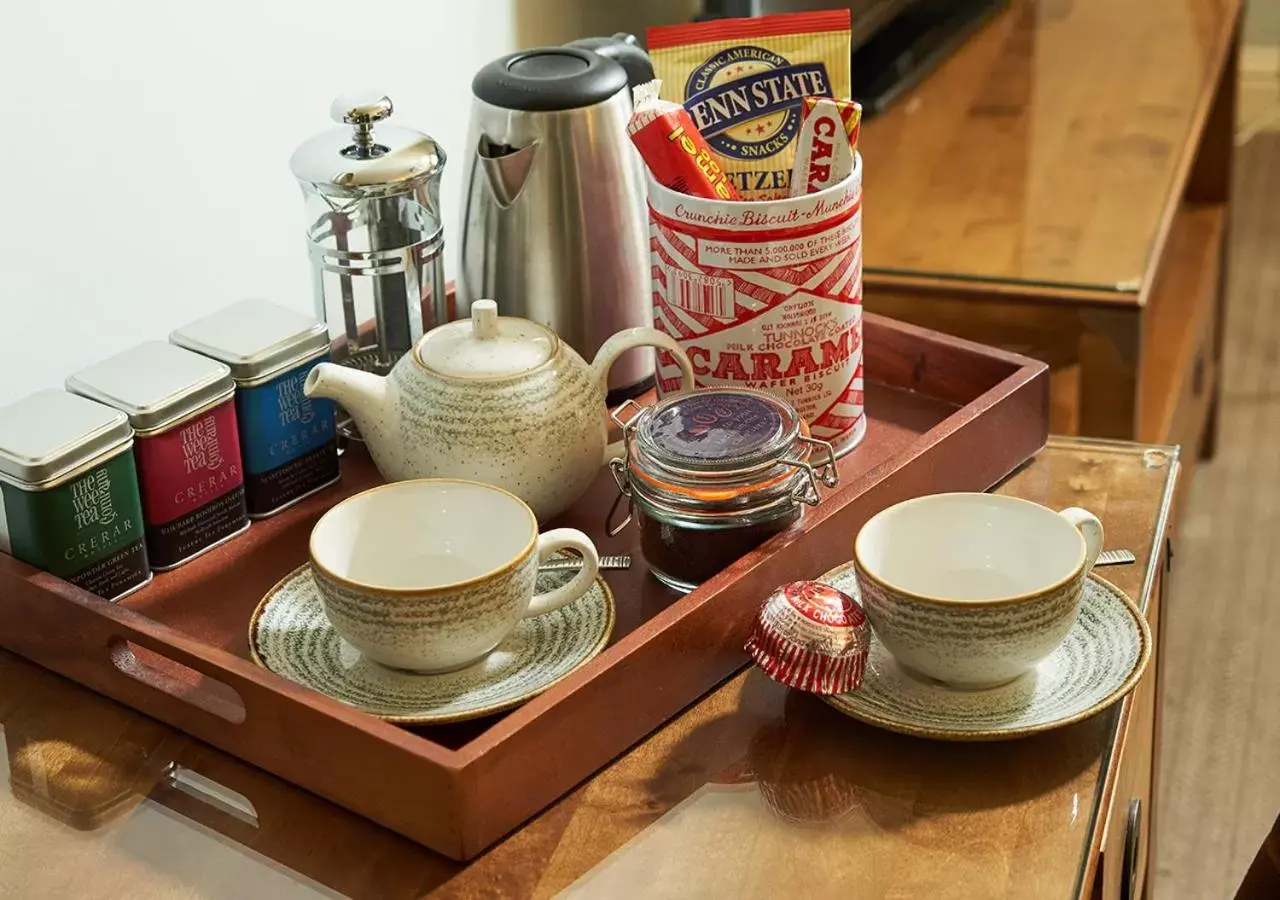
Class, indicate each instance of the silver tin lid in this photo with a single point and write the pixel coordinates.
(51, 433)
(368, 157)
(257, 339)
(156, 384)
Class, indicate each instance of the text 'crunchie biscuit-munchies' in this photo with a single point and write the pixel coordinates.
(743, 82)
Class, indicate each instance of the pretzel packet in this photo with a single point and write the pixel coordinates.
(743, 82)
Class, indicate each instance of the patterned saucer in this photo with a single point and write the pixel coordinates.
(1098, 662)
(290, 635)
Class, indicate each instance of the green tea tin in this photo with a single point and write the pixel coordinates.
(69, 501)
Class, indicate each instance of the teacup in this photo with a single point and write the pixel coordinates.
(430, 575)
(974, 589)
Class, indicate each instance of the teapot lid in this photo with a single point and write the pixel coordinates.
(368, 156)
(487, 345)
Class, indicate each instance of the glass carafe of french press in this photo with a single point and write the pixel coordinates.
(372, 194)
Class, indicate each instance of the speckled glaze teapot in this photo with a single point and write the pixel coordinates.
(494, 399)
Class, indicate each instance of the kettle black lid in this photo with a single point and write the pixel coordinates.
(549, 78)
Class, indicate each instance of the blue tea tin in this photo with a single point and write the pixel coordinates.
(287, 439)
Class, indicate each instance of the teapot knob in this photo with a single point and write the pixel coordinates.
(484, 319)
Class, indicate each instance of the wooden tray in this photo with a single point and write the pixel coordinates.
(945, 414)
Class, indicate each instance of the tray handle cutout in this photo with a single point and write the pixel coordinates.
(173, 678)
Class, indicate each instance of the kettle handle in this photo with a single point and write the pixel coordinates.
(629, 339)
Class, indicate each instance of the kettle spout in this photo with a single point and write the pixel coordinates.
(362, 394)
(506, 168)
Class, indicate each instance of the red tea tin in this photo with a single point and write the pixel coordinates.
(187, 445)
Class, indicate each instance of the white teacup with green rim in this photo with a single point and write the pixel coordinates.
(430, 575)
(974, 589)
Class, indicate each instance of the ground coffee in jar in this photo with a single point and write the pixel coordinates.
(710, 475)
(69, 493)
(182, 410)
(287, 439)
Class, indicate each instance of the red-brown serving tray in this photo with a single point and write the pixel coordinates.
(945, 415)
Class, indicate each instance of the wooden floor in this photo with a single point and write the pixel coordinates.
(1220, 771)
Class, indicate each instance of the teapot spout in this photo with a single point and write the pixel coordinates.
(362, 394)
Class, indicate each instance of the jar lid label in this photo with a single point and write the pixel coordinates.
(720, 428)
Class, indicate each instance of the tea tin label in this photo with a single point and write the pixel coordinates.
(288, 440)
(88, 530)
(192, 485)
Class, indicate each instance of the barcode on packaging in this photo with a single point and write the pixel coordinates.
(706, 295)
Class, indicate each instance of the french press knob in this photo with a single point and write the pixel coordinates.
(361, 111)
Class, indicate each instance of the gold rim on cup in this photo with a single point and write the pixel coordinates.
(969, 604)
(438, 589)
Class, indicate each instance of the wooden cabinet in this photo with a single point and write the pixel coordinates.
(1126, 840)
(1074, 213)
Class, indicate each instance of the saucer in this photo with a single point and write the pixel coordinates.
(291, 635)
(1098, 662)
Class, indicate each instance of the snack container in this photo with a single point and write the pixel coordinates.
(766, 295)
(182, 409)
(69, 493)
(287, 439)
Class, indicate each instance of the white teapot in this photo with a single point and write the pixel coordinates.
(494, 399)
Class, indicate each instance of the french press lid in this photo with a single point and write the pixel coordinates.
(368, 157)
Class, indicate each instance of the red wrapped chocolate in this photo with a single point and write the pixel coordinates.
(812, 637)
(673, 149)
(828, 139)
(850, 114)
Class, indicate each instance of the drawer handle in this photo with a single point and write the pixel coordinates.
(1130, 868)
(217, 797)
(1197, 377)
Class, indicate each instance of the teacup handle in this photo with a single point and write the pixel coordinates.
(548, 545)
(1090, 528)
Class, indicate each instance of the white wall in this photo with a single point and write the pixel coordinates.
(146, 143)
(146, 147)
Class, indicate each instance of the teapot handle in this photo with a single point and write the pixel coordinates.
(629, 339)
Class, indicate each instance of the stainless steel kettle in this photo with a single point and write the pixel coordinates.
(554, 225)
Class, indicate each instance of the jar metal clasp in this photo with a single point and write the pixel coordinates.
(618, 465)
(807, 491)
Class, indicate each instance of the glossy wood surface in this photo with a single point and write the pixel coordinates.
(755, 791)
(1060, 187)
(943, 414)
(1048, 150)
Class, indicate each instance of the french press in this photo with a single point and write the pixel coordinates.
(372, 198)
